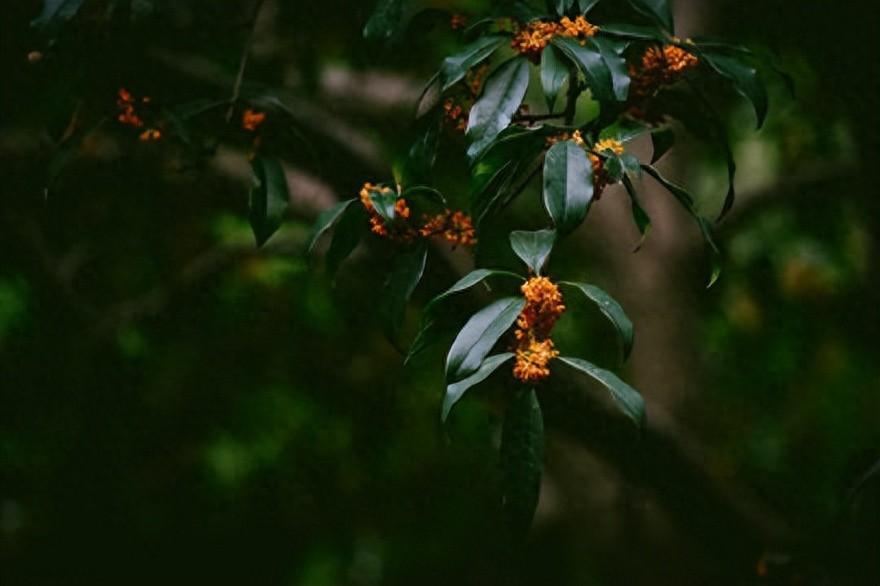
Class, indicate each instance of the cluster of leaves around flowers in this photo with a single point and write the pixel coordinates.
(642, 77)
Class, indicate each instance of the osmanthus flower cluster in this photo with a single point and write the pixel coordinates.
(623, 58)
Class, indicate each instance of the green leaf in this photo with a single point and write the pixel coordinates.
(589, 60)
(640, 216)
(386, 21)
(269, 198)
(326, 220)
(479, 335)
(745, 79)
(562, 6)
(522, 460)
(657, 10)
(612, 310)
(56, 11)
(471, 279)
(423, 152)
(383, 203)
(407, 269)
(454, 68)
(612, 56)
(533, 248)
(686, 201)
(568, 185)
(554, 74)
(632, 31)
(502, 95)
(586, 5)
(350, 228)
(625, 130)
(456, 391)
(663, 140)
(627, 398)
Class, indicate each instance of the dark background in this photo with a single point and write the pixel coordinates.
(178, 407)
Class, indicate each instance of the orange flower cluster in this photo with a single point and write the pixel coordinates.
(458, 21)
(534, 348)
(456, 114)
(128, 115)
(659, 67)
(456, 227)
(252, 119)
(533, 38)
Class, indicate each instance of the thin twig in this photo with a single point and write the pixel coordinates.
(245, 55)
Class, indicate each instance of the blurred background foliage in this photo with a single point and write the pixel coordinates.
(179, 407)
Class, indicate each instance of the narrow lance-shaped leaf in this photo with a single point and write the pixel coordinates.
(586, 5)
(407, 269)
(745, 79)
(657, 10)
(429, 331)
(350, 228)
(502, 95)
(612, 310)
(455, 67)
(632, 31)
(687, 202)
(663, 140)
(589, 60)
(480, 333)
(627, 398)
(533, 248)
(616, 64)
(456, 391)
(640, 216)
(326, 220)
(522, 460)
(554, 74)
(269, 198)
(568, 185)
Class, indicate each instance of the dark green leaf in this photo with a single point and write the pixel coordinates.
(522, 460)
(386, 22)
(632, 31)
(429, 330)
(56, 11)
(640, 216)
(454, 68)
(687, 202)
(383, 203)
(627, 398)
(657, 10)
(479, 335)
(625, 130)
(456, 391)
(407, 269)
(590, 61)
(326, 220)
(586, 5)
(269, 198)
(616, 65)
(663, 140)
(745, 79)
(568, 185)
(612, 310)
(423, 152)
(350, 228)
(562, 6)
(471, 279)
(533, 248)
(502, 96)
(554, 74)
